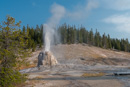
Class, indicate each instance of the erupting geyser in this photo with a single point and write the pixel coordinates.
(49, 59)
(50, 33)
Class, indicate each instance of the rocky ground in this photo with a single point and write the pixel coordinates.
(80, 65)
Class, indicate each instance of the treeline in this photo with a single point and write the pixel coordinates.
(71, 34)
(34, 36)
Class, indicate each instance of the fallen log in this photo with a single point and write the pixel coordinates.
(121, 73)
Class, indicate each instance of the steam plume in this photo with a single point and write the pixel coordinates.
(58, 12)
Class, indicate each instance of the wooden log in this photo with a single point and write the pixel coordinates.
(121, 73)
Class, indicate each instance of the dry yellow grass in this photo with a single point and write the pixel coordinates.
(93, 74)
(27, 66)
(38, 77)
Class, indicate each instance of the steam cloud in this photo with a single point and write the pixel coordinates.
(58, 12)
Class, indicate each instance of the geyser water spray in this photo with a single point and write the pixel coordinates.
(49, 31)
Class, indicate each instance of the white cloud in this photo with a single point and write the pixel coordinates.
(116, 4)
(121, 22)
(82, 11)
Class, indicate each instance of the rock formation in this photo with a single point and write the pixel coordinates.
(49, 59)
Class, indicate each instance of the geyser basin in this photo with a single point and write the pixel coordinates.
(49, 59)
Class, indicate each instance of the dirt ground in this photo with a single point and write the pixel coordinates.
(80, 65)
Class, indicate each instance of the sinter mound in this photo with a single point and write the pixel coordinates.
(49, 59)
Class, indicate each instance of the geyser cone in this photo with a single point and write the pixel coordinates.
(50, 60)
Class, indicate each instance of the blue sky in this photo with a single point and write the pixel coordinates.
(109, 16)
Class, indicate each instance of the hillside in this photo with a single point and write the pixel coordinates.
(80, 65)
(87, 54)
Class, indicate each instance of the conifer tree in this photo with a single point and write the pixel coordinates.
(12, 52)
